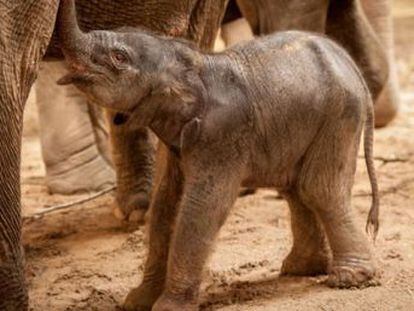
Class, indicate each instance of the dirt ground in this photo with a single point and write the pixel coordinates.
(84, 259)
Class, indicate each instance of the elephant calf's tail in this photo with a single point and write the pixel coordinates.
(372, 221)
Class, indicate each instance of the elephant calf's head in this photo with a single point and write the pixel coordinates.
(120, 69)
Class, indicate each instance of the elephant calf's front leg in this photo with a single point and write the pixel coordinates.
(133, 156)
(162, 215)
(203, 209)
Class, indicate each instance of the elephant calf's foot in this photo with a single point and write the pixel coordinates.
(299, 265)
(143, 297)
(132, 208)
(352, 273)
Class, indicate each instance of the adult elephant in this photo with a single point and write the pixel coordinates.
(26, 28)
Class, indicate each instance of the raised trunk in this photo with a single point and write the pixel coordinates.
(25, 28)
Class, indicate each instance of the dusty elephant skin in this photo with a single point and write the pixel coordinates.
(237, 118)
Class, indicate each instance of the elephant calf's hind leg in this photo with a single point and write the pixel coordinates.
(310, 254)
(326, 189)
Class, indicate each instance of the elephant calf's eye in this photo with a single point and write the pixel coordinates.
(119, 57)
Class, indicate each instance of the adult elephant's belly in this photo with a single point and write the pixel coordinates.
(171, 17)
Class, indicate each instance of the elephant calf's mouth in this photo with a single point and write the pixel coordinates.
(120, 118)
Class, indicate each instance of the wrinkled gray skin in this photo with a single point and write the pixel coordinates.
(229, 120)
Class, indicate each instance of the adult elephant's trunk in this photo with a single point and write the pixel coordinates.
(73, 41)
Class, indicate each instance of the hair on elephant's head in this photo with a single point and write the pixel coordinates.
(118, 69)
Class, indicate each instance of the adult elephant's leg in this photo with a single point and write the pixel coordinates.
(380, 17)
(268, 16)
(347, 24)
(25, 28)
(13, 291)
(70, 153)
(205, 21)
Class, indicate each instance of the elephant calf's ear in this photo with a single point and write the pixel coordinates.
(190, 133)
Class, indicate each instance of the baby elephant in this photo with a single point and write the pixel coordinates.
(283, 111)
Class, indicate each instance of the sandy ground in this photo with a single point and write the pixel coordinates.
(84, 259)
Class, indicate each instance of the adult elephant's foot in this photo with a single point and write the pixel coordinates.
(78, 174)
(310, 265)
(132, 207)
(352, 272)
(170, 303)
(143, 297)
(13, 289)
